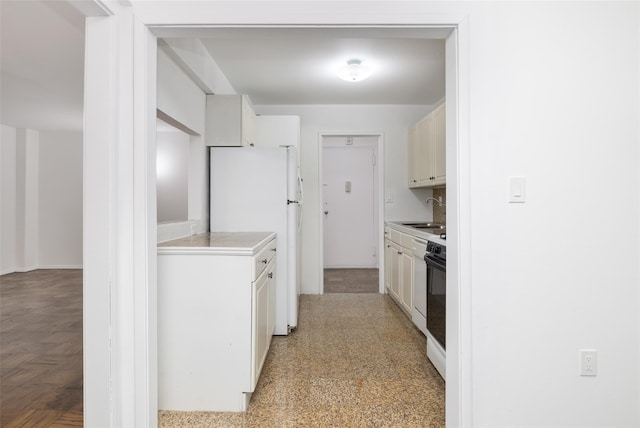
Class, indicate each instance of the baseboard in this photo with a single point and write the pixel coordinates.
(60, 267)
(32, 268)
(26, 269)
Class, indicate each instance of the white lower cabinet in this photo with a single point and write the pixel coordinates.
(392, 253)
(215, 323)
(262, 317)
(399, 268)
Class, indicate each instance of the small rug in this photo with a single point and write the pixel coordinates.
(351, 281)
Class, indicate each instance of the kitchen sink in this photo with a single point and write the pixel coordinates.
(436, 228)
(417, 225)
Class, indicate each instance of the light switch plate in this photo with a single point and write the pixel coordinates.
(517, 190)
(389, 198)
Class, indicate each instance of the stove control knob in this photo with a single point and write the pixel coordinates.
(438, 250)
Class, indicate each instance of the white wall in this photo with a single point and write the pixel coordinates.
(553, 94)
(8, 200)
(394, 123)
(178, 96)
(27, 170)
(181, 100)
(172, 153)
(554, 98)
(60, 200)
(41, 200)
(19, 200)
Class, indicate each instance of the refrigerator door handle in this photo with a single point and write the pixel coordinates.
(301, 188)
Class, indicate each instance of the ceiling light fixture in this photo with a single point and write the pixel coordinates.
(354, 71)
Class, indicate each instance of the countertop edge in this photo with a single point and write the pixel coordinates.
(397, 225)
(218, 250)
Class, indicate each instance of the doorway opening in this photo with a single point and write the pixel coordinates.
(459, 368)
(350, 204)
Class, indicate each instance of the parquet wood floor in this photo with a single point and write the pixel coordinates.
(41, 349)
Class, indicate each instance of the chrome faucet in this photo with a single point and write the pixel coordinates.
(439, 201)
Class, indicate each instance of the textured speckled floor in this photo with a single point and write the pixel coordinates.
(355, 360)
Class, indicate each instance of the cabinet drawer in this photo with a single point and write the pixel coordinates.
(262, 259)
(406, 240)
(394, 235)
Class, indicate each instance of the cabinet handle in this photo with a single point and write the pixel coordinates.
(273, 249)
(264, 261)
(270, 274)
(400, 252)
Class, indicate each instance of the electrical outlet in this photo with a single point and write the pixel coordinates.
(588, 362)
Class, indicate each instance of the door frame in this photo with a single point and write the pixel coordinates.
(379, 198)
(119, 302)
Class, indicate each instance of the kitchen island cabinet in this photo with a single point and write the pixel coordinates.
(216, 299)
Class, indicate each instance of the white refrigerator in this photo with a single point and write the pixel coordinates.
(257, 189)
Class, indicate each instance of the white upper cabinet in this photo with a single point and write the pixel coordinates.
(277, 131)
(439, 148)
(427, 146)
(419, 153)
(230, 121)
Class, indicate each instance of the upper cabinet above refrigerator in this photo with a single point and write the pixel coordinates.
(277, 131)
(230, 121)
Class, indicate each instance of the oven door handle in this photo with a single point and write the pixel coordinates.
(435, 263)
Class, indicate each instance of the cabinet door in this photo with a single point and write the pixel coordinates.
(411, 154)
(271, 274)
(439, 146)
(248, 123)
(422, 157)
(260, 323)
(395, 270)
(388, 254)
(230, 121)
(427, 150)
(406, 287)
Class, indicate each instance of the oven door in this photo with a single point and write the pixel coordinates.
(436, 299)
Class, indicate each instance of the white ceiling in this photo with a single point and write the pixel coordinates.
(42, 61)
(298, 66)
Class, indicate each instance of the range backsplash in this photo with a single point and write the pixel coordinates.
(440, 213)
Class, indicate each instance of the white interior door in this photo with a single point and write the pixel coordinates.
(349, 204)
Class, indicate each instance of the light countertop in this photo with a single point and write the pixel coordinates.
(218, 243)
(397, 225)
